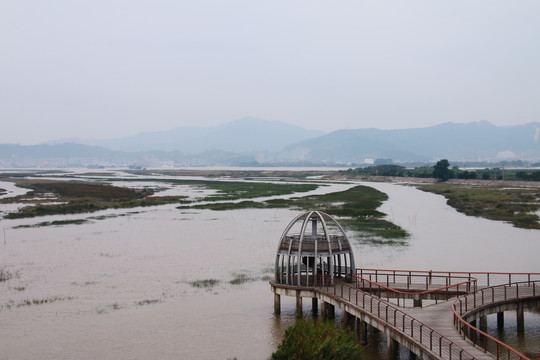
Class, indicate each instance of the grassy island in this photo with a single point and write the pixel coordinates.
(516, 205)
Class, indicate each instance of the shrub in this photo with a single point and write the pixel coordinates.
(308, 339)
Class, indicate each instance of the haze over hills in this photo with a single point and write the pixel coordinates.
(456, 141)
(251, 141)
(244, 135)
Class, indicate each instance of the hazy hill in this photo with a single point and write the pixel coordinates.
(244, 135)
(459, 142)
(257, 142)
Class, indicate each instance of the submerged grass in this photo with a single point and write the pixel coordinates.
(148, 302)
(241, 278)
(27, 302)
(206, 283)
(514, 205)
(53, 223)
(5, 275)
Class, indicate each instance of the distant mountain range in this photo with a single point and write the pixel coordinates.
(252, 141)
(474, 141)
(244, 135)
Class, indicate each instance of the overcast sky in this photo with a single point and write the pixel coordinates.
(104, 69)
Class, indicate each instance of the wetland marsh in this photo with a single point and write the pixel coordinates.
(191, 283)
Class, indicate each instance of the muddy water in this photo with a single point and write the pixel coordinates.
(124, 287)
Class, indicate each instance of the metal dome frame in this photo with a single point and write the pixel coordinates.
(316, 258)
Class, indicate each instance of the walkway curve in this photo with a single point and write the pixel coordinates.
(431, 332)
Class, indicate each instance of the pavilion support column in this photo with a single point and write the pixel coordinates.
(417, 301)
(277, 304)
(298, 304)
(314, 306)
(520, 319)
(324, 309)
(500, 320)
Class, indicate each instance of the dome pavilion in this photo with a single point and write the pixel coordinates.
(313, 251)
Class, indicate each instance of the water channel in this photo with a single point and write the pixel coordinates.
(163, 283)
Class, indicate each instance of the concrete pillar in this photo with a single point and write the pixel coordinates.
(314, 306)
(392, 347)
(417, 301)
(362, 329)
(483, 323)
(324, 309)
(347, 320)
(500, 320)
(277, 304)
(331, 311)
(520, 319)
(470, 331)
(299, 312)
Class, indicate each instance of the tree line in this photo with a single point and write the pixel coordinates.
(442, 171)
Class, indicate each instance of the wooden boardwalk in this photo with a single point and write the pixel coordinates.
(439, 330)
(429, 331)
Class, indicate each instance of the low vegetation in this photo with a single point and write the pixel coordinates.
(27, 302)
(309, 339)
(443, 171)
(73, 197)
(518, 206)
(357, 207)
(5, 275)
(206, 283)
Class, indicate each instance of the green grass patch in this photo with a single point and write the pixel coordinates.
(81, 197)
(356, 208)
(310, 339)
(517, 206)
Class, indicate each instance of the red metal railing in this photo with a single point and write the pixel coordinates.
(433, 277)
(495, 294)
(421, 333)
(451, 284)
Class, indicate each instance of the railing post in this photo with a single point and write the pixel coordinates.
(482, 296)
